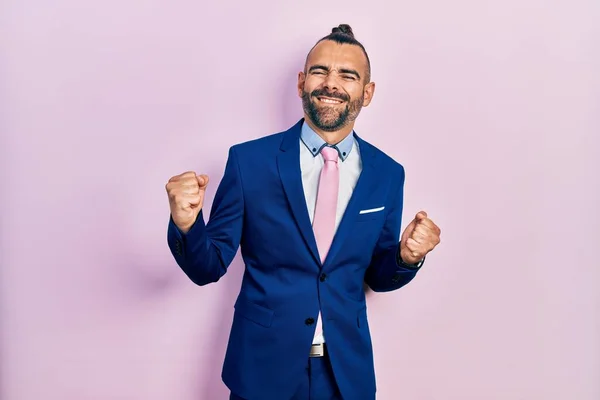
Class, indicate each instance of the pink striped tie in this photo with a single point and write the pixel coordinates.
(325, 210)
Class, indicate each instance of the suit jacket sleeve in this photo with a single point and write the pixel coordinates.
(205, 252)
(385, 274)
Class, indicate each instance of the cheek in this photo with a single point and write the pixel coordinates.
(353, 89)
(355, 93)
(310, 85)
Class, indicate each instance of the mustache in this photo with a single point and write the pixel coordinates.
(333, 95)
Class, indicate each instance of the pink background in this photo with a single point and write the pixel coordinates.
(492, 106)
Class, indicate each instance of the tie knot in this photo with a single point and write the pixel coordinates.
(329, 154)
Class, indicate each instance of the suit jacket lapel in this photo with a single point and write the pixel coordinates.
(288, 163)
(365, 185)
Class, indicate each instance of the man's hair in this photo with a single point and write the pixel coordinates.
(342, 34)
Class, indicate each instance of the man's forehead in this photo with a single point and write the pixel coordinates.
(330, 53)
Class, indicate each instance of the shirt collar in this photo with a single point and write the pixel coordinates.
(315, 143)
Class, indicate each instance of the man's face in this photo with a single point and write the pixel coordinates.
(333, 86)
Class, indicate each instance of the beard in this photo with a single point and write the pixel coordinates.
(330, 118)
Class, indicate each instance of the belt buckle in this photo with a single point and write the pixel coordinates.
(317, 350)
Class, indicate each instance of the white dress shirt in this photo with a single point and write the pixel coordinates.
(311, 162)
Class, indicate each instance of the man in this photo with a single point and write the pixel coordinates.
(317, 211)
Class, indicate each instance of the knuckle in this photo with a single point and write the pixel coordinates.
(171, 192)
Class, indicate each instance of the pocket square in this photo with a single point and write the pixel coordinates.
(371, 210)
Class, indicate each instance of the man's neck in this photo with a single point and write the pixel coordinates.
(331, 137)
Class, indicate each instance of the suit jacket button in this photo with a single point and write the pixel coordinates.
(323, 277)
(309, 321)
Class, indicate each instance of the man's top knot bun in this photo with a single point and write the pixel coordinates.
(343, 28)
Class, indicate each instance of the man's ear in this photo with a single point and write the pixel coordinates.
(301, 79)
(368, 91)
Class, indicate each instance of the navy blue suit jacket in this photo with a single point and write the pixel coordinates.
(260, 206)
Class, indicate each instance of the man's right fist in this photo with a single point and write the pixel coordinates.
(186, 197)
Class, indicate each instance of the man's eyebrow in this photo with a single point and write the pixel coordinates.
(318, 66)
(350, 71)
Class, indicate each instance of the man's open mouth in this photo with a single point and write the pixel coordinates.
(329, 100)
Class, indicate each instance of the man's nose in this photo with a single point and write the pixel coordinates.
(331, 82)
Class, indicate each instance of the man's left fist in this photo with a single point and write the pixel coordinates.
(419, 238)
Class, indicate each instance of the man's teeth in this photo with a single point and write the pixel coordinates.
(330, 101)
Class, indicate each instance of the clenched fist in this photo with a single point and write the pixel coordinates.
(419, 238)
(186, 197)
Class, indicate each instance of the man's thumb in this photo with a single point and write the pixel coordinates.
(202, 180)
(421, 215)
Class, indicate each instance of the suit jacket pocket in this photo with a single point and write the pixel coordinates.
(369, 216)
(255, 313)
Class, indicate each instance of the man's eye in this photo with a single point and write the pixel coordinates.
(350, 77)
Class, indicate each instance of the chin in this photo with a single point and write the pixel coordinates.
(330, 125)
(329, 121)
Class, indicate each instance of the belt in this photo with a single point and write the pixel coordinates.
(317, 350)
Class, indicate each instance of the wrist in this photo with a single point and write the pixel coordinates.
(410, 264)
(183, 228)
